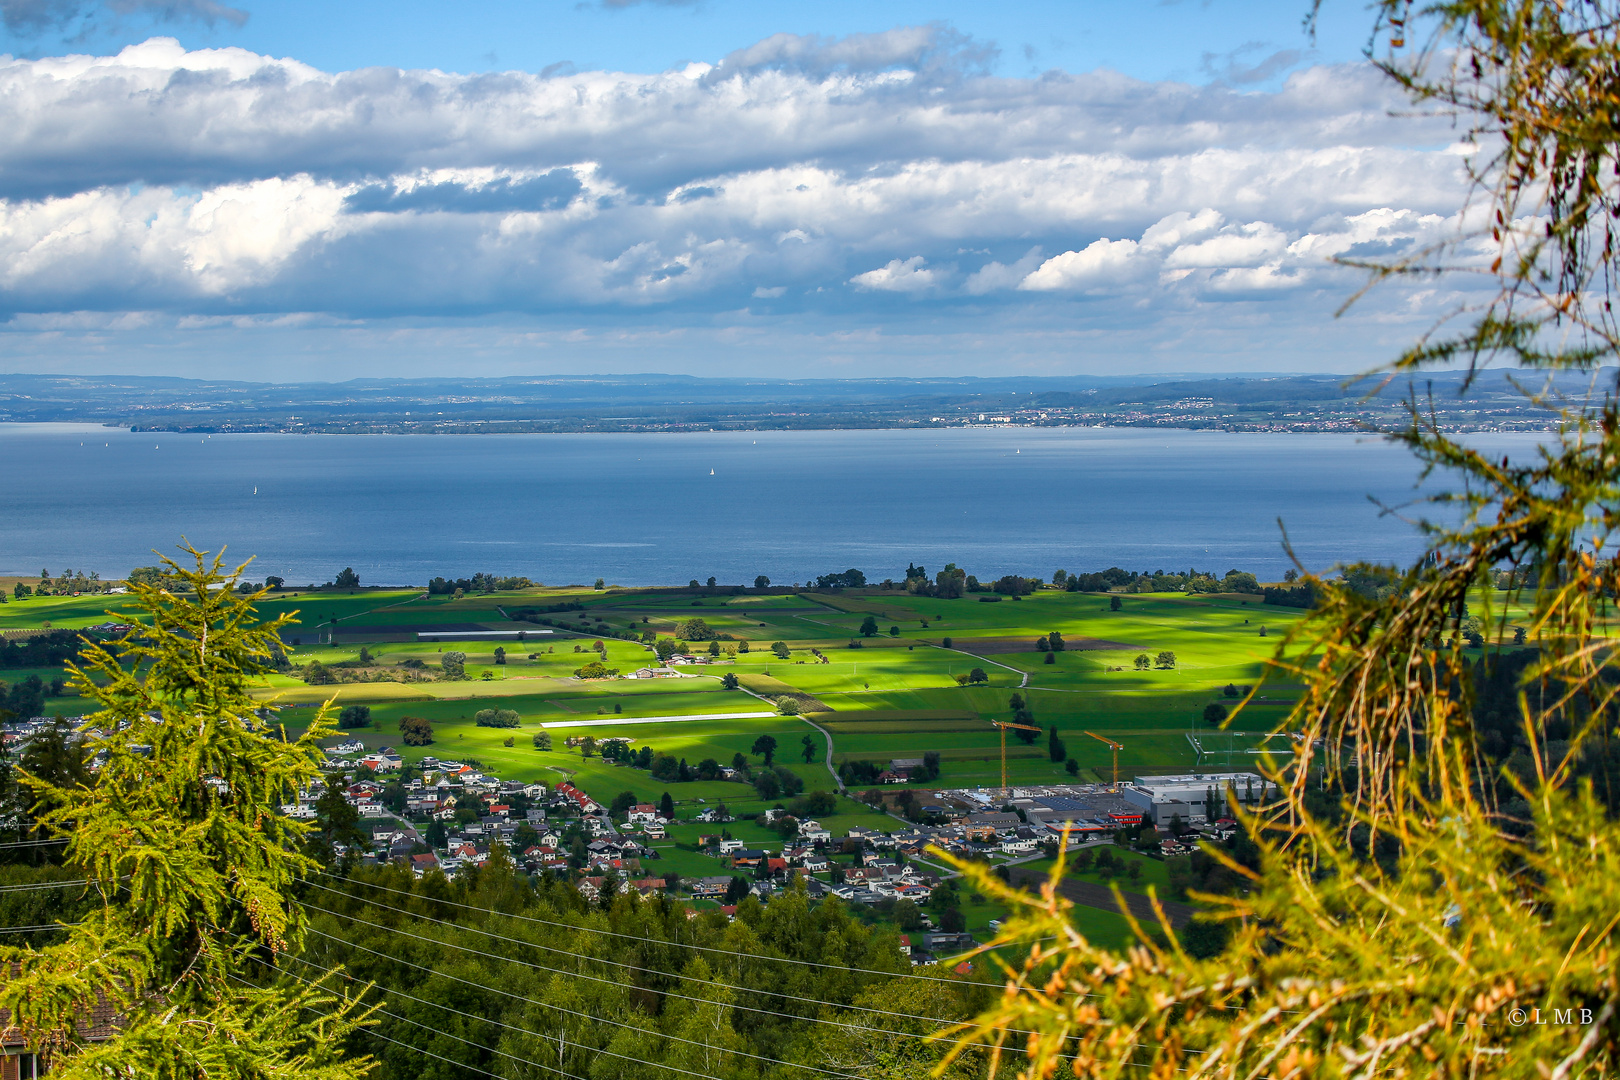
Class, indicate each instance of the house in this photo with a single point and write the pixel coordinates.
(711, 886)
(728, 847)
(814, 832)
(648, 886)
(747, 860)
(905, 944)
(772, 816)
(421, 864)
(654, 830)
(1019, 845)
(644, 814)
(713, 815)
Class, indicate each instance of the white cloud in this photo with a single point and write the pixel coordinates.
(1235, 245)
(223, 185)
(909, 276)
(1101, 264)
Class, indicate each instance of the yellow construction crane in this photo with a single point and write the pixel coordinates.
(1004, 725)
(1116, 747)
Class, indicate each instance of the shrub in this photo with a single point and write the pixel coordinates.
(354, 716)
(496, 718)
(596, 670)
(415, 731)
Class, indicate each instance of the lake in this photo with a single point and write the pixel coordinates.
(640, 509)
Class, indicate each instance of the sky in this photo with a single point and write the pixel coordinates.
(295, 190)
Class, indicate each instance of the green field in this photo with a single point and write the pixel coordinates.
(896, 696)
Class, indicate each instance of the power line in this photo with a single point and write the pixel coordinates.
(549, 1005)
(470, 1016)
(33, 843)
(652, 971)
(613, 982)
(35, 929)
(670, 993)
(633, 937)
(34, 886)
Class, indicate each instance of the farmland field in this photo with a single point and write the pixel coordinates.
(932, 678)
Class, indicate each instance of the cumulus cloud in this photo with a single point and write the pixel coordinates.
(869, 177)
(910, 276)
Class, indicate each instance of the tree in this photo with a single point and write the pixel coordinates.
(347, 579)
(601, 583)
(596, 670)
(694, 630)
(1072, 767)
(762, 582)
(415, 731)
(869, 626)
(622, 802)
(453, 665)
(273, 582)
(1055, 639)
(1115, 603)
(186, 804)
(781, 650)
(666, 807)
(977, 676)
(764, 746)
(354, 716)
(787, 705)
(729, 681)
(1142, 662)
(1396, 814)
(809, 751)
(1055, 750)
(712, 580)
(500, 655)
(542, 740)
(714, 648)
(1214, 714)
(1165, 659)
(496, 718)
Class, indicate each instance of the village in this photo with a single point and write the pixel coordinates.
(448, 816)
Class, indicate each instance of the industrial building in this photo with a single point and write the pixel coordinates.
(1161, 798)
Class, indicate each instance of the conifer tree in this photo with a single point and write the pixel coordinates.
(179, 833)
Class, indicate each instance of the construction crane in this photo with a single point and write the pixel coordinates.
(1116, 747)
(1004, 725)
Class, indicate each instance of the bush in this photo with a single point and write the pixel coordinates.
(596, 670)
(509, 741)
(415, 731)
(354, 716)
(788, 706)
(496, 718)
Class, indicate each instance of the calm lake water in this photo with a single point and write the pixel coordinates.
(660, 509)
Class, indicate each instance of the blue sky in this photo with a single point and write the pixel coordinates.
(838, 189)
(1188, 40)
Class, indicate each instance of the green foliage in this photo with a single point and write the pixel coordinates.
(1420, 901)
(415, 731)
(498, 718)
(194, 865)
(596, 670)
(354, 716)
(694, 630)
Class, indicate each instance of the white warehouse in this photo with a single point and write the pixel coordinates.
(1164, 797)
